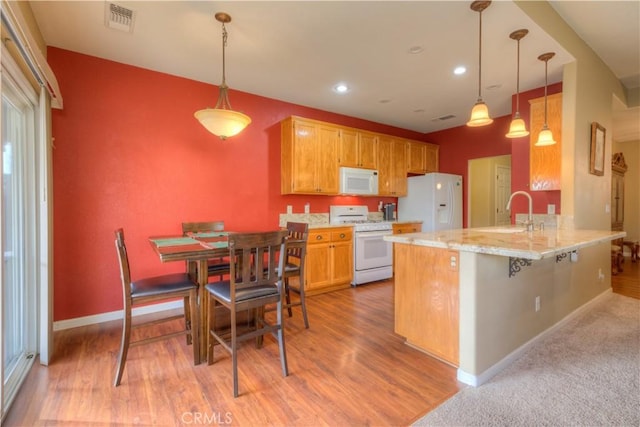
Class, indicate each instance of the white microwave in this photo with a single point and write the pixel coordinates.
(358, 181)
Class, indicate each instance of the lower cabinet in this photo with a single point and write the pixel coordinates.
(329, 263)
(407, 227)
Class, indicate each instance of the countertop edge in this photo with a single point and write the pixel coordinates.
(496, 244)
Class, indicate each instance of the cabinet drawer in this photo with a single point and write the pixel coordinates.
(319, 237)
(341, 236)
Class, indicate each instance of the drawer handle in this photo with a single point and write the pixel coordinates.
(318, 237)
(342, 235)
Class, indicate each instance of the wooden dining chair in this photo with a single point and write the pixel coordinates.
(256, 283)
(296, 250)
(217, 266)
(153, 290)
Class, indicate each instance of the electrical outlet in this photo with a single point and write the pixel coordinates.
(537, 304)
(600, 275)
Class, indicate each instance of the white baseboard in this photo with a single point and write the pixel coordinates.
(477, 380)
(114, 315)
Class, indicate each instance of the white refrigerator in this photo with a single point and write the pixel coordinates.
(435, 199)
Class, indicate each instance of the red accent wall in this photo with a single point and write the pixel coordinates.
(129, 153)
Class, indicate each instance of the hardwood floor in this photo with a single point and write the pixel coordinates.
(627, 282)
(349, 368)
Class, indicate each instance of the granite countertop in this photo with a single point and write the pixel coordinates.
(512, 241)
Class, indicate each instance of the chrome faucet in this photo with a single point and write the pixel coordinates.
(529, 222)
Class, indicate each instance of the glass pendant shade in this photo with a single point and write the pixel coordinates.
(517, 128)
(221, 122)
(479, 115)
(545, 137)
(480, 111)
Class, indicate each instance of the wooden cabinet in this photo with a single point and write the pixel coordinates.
(545, 162)
(408, 227)
(329, 262)
(426, 295)
(392, 167)
(309, 153)
(312, 152)
(358, 149)
(422, 157)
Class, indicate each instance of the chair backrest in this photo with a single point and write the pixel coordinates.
(123, 259)
(256, 252)
(196, 227)
(297, 242)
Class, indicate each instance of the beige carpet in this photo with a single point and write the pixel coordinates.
(587, 373)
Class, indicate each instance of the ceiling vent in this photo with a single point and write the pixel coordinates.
(442, 118)
(118, 17)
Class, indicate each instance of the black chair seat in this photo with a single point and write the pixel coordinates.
(222, 290)
(158, 285)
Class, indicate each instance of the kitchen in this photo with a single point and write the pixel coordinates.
(129, 172)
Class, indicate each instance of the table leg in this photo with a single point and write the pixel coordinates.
(198, 272)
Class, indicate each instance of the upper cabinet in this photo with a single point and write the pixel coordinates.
(422, 157)
(309, 151)
(545, 162)
(392, 167)
(358, 149)
(313, 151)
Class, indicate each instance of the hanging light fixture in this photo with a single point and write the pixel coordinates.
(480, 112)
(545, 137)
(221, 120)
(517, 128)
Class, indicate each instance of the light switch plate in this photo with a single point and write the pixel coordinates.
(551, 209)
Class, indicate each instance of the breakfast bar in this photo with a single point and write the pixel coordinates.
(476, 298)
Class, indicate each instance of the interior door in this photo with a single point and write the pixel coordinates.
(502, 193)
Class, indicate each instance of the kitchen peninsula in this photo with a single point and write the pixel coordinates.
(476, 298)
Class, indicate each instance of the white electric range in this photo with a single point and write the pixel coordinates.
(372, 256)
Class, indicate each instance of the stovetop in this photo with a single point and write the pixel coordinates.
(358, 217)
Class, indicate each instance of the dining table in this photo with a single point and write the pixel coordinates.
(195, 249)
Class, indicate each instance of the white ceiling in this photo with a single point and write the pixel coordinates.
(296, 51)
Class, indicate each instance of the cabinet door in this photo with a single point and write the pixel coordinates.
(326, 159)
(416, 157)
(318, 266)
(385, 171)
(399, 168)
(342, 259)
(348, 152)
(368, 150)
(305, 145)
(431, 158)
(545, 162)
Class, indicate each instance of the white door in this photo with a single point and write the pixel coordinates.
(503, 191)
(18, 242)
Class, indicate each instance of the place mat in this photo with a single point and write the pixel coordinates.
(209, 234)
(215, 245)
(174, 241)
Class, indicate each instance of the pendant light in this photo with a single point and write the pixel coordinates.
(221, 120)
(545, 137)
(480, 112)
(518, 128)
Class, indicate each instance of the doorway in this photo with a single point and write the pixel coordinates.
(489, 190)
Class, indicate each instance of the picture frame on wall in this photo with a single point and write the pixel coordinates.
(598, 133)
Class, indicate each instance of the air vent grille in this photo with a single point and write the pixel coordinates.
(442, 118)
(119, 17)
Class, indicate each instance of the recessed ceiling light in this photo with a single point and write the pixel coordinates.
(459, 70)
(341, 88)
(416, 50)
